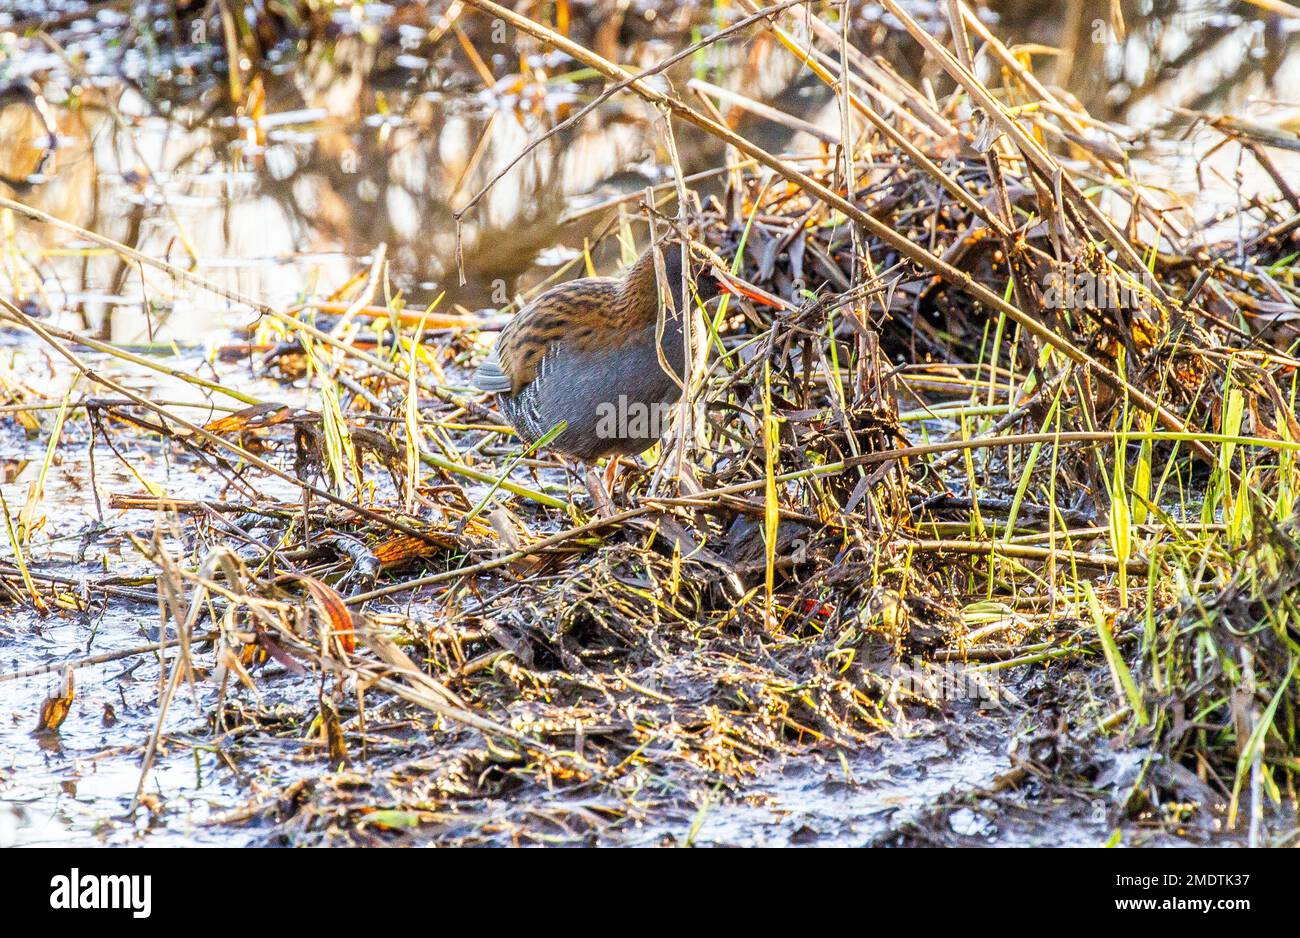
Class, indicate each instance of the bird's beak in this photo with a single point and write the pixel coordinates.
(737, 287)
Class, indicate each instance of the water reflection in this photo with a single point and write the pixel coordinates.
(338, 130)
(335, 145)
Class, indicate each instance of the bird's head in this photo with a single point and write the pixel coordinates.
(709, 275)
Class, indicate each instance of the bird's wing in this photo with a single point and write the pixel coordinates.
(576, 313)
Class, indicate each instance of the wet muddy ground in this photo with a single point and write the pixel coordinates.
(75, 786)
(937, 778)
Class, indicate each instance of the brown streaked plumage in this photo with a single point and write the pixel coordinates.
(585, 352)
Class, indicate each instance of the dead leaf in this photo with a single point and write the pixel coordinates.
(256, 417)
(333, 611)
(55, 709)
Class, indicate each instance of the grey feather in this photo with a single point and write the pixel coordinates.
(490, 377)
